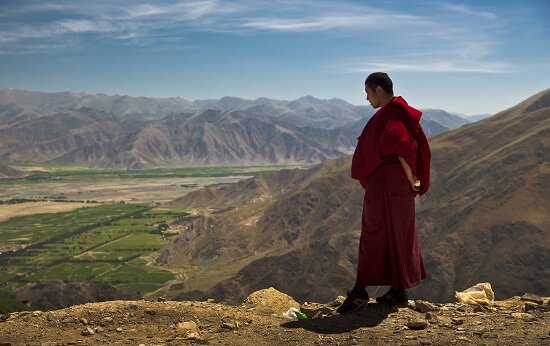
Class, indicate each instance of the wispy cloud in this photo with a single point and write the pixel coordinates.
(330, 22)
(84, 26)
(121, 20)
(466, 10)
(439, 35)
(141, 18)
(434, 67)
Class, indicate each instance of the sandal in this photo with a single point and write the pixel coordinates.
(393, 297)
(354, 301)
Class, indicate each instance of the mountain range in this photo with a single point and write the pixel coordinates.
(139, 132)
(485, 218)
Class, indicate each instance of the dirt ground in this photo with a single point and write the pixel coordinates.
(139, 190)
(259, 321)
(20, 209)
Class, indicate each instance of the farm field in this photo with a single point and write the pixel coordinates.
(69, 183)
(82, 225)
(105, 243)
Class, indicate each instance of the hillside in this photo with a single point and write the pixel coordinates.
(487, 214)
(259, 321)
(100, 139)
(9, 172)
(137, 132)
(484, 219)
(305, 111)
(52, 295)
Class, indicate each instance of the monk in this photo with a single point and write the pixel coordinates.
(392, 163)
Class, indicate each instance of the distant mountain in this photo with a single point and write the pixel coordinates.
(12, 114)
(443, 118)
(472, 118)
(478, 117)
(305, 111)
(485, 218)
(120, 106)
(100, 139)
(137, 132)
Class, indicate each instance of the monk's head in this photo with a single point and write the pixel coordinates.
(379, 89)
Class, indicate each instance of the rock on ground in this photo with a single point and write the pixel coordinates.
(270, 301)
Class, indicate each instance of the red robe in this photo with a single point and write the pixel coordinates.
(388, 250)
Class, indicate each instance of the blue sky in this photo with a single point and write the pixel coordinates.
(462, 56)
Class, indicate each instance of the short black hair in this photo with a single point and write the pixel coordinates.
(380, 79)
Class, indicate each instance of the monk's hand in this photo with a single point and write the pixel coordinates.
(415, 183)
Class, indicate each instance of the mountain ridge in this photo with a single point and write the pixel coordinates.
(121, 131)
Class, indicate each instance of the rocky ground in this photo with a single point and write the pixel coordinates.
(259, 321)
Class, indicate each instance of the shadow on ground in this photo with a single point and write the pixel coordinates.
(370, 316)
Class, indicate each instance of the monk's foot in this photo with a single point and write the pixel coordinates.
(354, 301)
(394, 297)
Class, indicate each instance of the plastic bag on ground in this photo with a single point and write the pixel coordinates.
(480, 293)
(293, 313)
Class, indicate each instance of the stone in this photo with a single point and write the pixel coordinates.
(315, 310)
(188, 327)
(83, 321)
(336, 302)
(210, 300)
(270, 301)
(530, 306)
(429, 316)
(67, 320)
(229, 326)
(105, 321)
(150, 312)
(161, 299)
(417, 325)
(88, 331)
(50, 316)
(478, 308)
(411, 304)
(424, 306)
(530, 297)
(425, 342)
(119, 330)
(457, 321)
(99, 330)
(463, 338)
(523, 316)
(195, 338)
